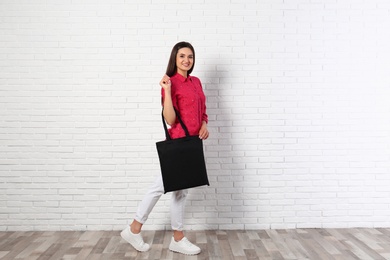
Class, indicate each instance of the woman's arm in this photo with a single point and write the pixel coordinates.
(168, 110)
(203, 132)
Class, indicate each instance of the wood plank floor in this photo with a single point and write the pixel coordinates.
(289, 244)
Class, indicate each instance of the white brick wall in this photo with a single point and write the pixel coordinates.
(298, 100)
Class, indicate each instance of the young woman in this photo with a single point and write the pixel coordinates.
(184, 92)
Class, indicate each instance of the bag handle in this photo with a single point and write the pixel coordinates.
(180, 121)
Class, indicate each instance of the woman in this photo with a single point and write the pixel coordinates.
(184, 92)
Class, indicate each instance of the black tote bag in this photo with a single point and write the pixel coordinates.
(182, 160)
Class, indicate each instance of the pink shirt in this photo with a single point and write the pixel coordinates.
(189, 100)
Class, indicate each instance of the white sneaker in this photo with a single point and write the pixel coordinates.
(135, 240)
(184, 246)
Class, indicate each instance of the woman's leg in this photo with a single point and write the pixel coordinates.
(132, 235)
(178, 201)
(179, 243)
(135, 227)
(147, 204)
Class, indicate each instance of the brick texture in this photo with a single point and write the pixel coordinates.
(297, 96)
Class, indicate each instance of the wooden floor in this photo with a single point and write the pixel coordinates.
(289, 244)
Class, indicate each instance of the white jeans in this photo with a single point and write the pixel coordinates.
(154, 193)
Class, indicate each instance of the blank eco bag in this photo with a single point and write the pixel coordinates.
(181, 160)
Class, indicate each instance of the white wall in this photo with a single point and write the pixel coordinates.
(298, 100)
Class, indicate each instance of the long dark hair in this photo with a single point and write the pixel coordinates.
(172, 68)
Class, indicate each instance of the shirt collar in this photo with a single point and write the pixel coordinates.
(182, 79)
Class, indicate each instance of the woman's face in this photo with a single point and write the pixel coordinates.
(184, 61)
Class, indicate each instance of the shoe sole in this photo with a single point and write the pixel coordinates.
(178, 251)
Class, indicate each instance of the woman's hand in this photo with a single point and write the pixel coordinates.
(203, 132)
(165, 83)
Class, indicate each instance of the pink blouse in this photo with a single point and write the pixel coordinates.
(189, 100)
